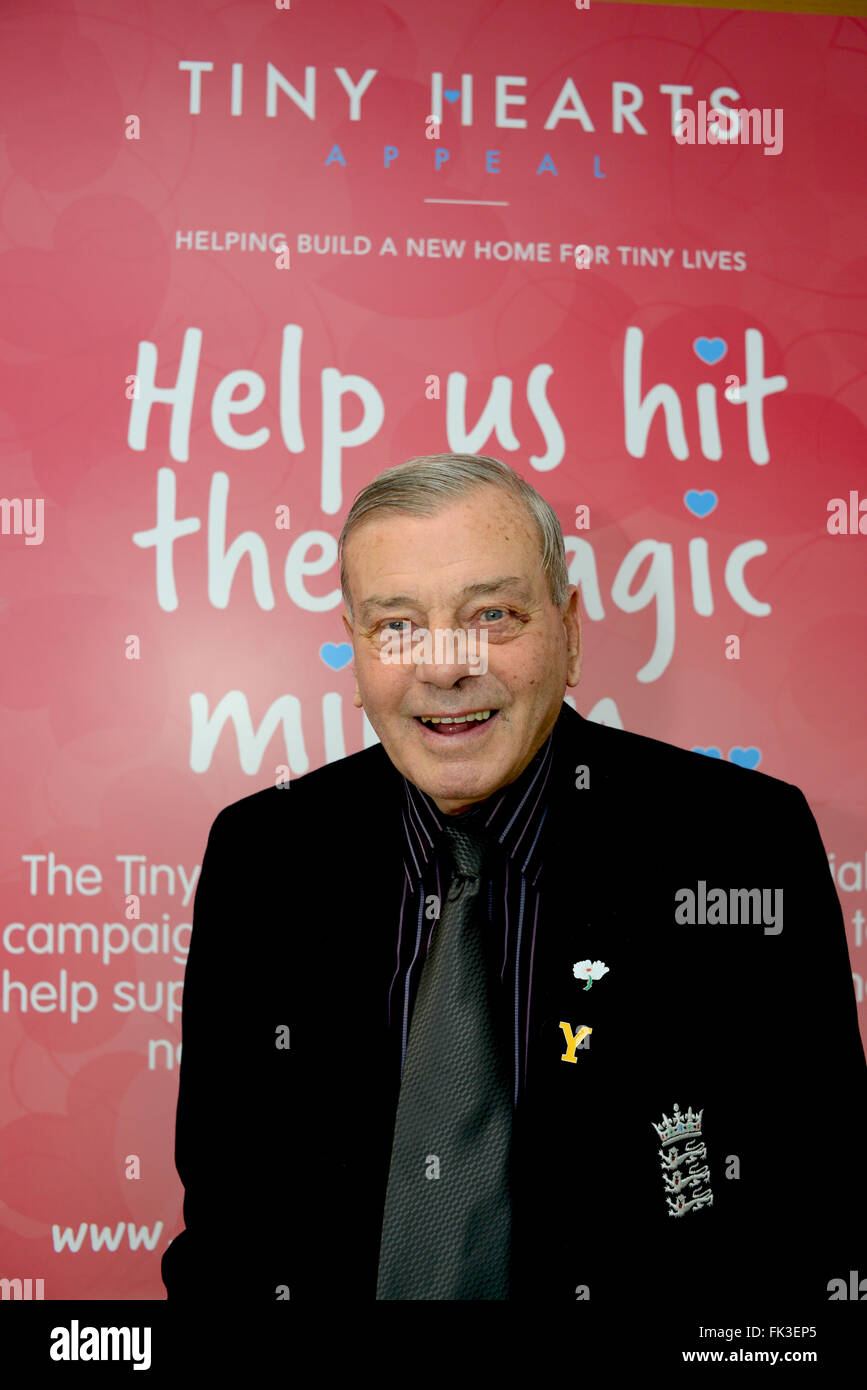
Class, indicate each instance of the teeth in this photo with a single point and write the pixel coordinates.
(482, 715)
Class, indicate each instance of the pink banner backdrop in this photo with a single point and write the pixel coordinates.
(252, 255)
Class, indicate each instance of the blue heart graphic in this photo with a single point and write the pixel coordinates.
(744, 757)
(451, 93)
(708, 752)
(710, 350)
(336, 654)
(700, 503)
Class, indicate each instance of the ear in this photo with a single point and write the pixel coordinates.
(575, 646)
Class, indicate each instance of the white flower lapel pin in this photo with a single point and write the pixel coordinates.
(589, 970)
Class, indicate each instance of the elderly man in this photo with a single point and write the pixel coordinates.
(511, 1005)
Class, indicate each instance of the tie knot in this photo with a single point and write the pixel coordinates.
(468, 849)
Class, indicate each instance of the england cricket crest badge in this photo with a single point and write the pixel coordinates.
(683, 1156)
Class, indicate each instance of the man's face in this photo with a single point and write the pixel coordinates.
(406, 573)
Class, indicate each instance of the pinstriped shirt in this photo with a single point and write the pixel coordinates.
(513, 821)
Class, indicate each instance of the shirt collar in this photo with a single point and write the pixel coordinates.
(513, 817)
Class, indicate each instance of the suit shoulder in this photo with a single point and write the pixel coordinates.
(324, 787)
(629, 755)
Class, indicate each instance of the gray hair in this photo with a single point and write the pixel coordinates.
(423, 486)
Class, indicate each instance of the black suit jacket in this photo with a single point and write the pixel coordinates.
(284, 1151)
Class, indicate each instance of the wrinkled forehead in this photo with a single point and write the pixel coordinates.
(485, 539)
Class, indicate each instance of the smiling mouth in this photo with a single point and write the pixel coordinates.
(467, 724)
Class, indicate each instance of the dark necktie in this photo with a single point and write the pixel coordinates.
(446, 1228)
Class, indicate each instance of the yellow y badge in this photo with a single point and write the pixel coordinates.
(572, 1041)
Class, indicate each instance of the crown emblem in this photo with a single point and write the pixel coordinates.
(678, 1126)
